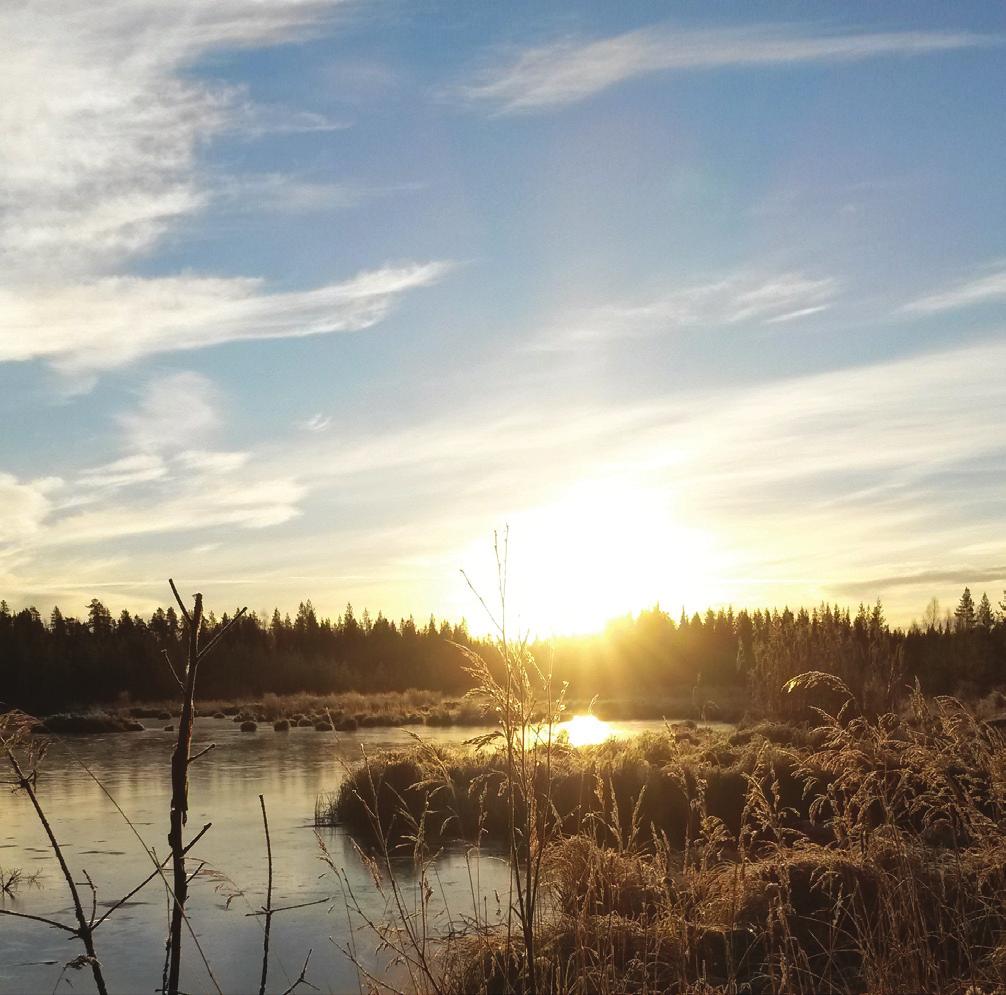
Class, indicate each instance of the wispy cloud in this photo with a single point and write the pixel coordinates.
(139, 468)
(570, 70)
(735, 299)
(210, 461)
(809, 485)
(285, 194)
(162, 485)
(173, 410)
(102, 120)
(318, 422)
(990, 285)
(925, 579)
(24, 506)
(146, 491)
(192, 505)
(254, 120)
(114, 320)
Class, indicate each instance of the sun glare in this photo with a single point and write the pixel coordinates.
(602, 549)
(586, 730)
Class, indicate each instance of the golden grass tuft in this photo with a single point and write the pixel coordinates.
(858, 855)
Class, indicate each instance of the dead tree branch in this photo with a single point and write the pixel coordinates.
(181, 758)
(85, 926)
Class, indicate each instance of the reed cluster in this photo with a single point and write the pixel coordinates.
(853, 854)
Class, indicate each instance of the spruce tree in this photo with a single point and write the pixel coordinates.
(965, 613)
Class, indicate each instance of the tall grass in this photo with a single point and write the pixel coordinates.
(853, 854)
(527, 707)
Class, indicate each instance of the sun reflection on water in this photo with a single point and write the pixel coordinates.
(586, 730)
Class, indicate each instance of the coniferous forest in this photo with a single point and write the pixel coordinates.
(62, 662)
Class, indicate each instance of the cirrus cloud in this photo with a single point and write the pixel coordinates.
(570, 70)
(981, 288)
(112, 321)
(103, 122)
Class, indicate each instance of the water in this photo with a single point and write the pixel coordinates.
(290, 770)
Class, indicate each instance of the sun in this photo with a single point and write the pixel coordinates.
(601, 549)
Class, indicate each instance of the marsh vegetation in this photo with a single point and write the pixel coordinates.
(846, 836)
(854, 854)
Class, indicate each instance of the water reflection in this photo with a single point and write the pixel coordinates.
(586, 730)
(291, 770)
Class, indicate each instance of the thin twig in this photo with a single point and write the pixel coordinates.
(150, 853)
(157, 871)
(94, 898)
(195, 873)
(171, 667)
(268, 901)
(48, 922)
(205, 651)
(302, 978)
(288, 908)
(202, 753)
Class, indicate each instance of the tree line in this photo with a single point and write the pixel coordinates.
(63, 662)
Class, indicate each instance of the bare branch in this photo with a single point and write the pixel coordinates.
(178, 814)
(181, 604)
(268, 902)
(94, 897)
(202, 753)
(48, 922)
(171, 667)
(155, 873)
(84, 928)
(195, 873)
(287, 908)
(153, 857)
(195, 839)
(223, 632)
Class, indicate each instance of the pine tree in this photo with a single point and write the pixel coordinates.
(99, 618)
(965, 613)
(984, 616)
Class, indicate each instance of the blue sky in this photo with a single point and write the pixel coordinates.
(303, 299)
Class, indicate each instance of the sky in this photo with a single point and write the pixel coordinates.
(307, 299)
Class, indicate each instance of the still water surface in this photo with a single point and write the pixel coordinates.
(290, 770)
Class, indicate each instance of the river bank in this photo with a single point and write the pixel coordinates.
(351, 710)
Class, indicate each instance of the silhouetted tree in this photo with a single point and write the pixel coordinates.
(965, 613)
(983, 618)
